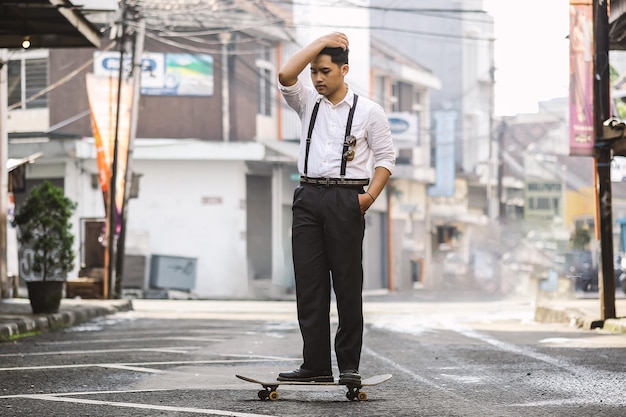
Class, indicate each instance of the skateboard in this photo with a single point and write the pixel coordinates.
(354, 391)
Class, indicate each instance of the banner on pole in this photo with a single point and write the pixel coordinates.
(102, 93)
(581, 126)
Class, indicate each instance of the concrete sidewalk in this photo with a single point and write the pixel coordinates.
(17, 320)
(584, 312)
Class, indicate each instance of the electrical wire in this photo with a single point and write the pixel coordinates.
(156, 34)
(222, 23)
(68, 77)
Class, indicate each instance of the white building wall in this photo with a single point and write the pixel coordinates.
(478, 90)
(194, 209)
(192, 203)
(90, 202)
(313, 20)
(31, 120)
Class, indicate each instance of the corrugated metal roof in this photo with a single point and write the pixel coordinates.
(46, 23)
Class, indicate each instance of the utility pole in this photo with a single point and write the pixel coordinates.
(4, 180)
(136, 74)
(603, 154)
(112, 209)
(501, 203)
(225, 38)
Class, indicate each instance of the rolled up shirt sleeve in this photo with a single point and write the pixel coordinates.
(297, 96)
(379, 139)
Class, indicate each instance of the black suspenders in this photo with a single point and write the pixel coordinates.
(346, 144)
(308, 138)
(344, 160)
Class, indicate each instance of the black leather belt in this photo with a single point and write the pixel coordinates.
(327, 182)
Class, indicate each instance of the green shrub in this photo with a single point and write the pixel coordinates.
(44, 229)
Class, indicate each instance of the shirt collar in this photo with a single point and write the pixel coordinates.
(348, 99)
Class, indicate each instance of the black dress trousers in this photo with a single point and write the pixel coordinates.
(327, 240)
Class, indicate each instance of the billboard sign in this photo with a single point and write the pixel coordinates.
(179, 74)
(404, 129)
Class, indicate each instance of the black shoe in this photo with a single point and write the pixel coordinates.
(350, 377)
(304, 375)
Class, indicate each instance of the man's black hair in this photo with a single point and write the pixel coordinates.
(338, 56)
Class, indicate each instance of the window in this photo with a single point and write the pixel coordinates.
(555, 206)
(417, 100)
(265, 92)
(404, 157)
(395, 97)
(26, 77)
(264, 68)
(379, 90)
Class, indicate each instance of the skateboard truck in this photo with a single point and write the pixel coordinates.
(354, 393)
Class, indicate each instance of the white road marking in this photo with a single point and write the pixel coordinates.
(49, 397)
(174, 349)
(272, 358)
(403, 369)
(133, 368)
(560, 340)
(509, 347)
(138, 339)
(69, 394)
(105, 365)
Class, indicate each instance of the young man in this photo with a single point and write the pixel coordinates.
(340, 132)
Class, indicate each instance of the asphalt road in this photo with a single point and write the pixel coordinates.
(179, 358)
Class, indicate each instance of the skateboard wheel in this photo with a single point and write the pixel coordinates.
(263, 394)
(273, 396)
(361, 396)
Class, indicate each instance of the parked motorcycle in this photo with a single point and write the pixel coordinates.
(580, 269)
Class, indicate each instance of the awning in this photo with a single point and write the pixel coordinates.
(13, 163)
(46, 23)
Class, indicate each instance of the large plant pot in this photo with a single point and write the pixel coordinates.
(45, 296)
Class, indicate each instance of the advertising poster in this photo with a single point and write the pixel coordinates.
(581, 134)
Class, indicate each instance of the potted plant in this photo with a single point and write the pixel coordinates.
(45, 245)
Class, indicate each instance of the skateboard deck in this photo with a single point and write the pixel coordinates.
(354, 391)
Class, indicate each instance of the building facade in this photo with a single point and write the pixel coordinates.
(216, 155)
(454, 39)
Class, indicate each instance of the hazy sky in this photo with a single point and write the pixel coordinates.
(531, 52)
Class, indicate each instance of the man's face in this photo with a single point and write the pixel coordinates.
(327, 77)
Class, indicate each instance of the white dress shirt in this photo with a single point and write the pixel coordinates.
(370, 126)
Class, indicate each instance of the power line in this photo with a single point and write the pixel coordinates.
(381, 8)
(224, 18)
(65, 79)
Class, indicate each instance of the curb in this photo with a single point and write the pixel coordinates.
(17, 326)
(615, 325)
(576, 318)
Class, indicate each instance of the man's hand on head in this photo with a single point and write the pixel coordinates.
(336, 40)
